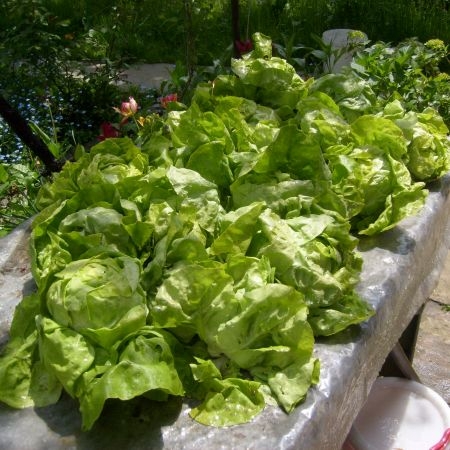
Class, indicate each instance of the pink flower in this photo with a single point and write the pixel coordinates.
(108, 131)
(167, 99)
(129, 108)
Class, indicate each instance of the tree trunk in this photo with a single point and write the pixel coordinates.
(235, 27)
(20, 126)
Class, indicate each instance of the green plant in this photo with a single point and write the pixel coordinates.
(385, 20)
(183, 84)
(46, 80)
(19, 185)
(330, 55)
(228, 233)
(293, 52)
(410, 72)
(314, 61)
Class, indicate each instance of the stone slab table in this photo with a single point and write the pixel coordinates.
(401, 268)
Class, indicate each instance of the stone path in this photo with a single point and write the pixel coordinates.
(432, 354)
(148, 76)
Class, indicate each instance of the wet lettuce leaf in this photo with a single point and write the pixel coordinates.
(24, 380)
(228, 401)
(145, 363)
(205, 257)
(101, 298)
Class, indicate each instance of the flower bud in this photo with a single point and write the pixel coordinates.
(129, 108)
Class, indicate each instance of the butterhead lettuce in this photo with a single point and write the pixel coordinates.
(203, 259)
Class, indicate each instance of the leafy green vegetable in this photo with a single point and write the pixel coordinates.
(205, 261)
(428, 145)
(64, 352)
(25, 382)
(100, 298)
(228, 401)
(145, 363)
(354, 96)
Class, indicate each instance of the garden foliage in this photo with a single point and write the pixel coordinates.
(205, 261)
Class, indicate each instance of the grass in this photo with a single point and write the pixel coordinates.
(394, 21)
(155, 30)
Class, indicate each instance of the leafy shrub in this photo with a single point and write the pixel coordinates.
(411, 71)
(19, 185)
(46, 78)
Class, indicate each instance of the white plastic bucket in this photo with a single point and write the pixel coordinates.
(401, 414)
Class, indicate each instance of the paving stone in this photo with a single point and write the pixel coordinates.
(148, 76)
(432, 356)
(442, 292)
(432, 353)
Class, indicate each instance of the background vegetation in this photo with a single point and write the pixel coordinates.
(61, 60)
(155, 30)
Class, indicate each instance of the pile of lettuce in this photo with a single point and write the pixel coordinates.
(204, 262)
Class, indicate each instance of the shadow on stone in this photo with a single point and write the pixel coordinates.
(396, 241)
(135, 423)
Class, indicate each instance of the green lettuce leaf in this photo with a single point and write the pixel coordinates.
(24, 381)
(290, 385)
(229, 401)
(100, 298)
(353, 95)
(65, 353)
(193, 300)
(428, 145)
(239, 227)
(145, 364)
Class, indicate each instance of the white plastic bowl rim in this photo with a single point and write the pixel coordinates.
(359, 442)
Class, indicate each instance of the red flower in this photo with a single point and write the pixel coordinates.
(167, 99)
(244, 46)
(108, 131)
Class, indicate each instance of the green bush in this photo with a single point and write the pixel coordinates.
(156, 30)
(411, 71)
(46, 77)
(19, 185)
